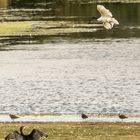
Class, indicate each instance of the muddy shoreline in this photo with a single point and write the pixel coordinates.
(104, 118)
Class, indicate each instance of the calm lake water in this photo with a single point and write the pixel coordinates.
(98, 71)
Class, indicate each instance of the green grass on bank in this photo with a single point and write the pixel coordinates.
(34, 28)
(14, 28)
(79, 131)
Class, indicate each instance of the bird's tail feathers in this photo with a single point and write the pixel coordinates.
(108, 25)
(115, 21)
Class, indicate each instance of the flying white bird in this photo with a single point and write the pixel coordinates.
(106, 17)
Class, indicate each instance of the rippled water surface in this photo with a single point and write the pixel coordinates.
(99, 75)
(95, 71)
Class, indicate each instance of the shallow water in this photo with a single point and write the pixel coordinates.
(99, 75)
(67, 118)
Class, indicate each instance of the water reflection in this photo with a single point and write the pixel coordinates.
(128, 14)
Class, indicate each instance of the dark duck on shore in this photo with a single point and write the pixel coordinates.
(122, 116)
(35, 134)
(13, 116)
(84, 116)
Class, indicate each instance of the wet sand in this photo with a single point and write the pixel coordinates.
(70, 118)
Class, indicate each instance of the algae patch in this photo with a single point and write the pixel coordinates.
(14, 28)
(34, 28)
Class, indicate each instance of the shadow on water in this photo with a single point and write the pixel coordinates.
(120, 33)
(126, 13)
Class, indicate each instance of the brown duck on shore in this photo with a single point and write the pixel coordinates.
(122, 116)
(13, 116)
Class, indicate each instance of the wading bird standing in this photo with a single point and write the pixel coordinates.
(13, 117)
(84, 116)
(106, 17)
(122, 116)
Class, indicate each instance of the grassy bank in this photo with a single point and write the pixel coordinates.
(14, 28)
(31, 28)
(79, 131)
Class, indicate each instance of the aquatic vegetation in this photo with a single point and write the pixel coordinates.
(30, 28)
(14, 28)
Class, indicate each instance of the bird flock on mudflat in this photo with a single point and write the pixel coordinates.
(121, 116)
(35, 134)
(83, 116)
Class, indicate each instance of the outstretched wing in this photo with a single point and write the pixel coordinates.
(103, 11)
